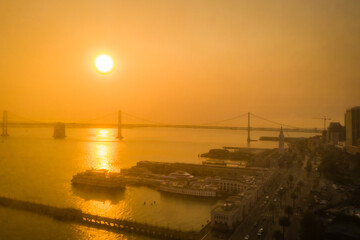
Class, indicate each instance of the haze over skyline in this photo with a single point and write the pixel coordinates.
(181, 62)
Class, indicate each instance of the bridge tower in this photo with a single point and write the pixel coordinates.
(248, 138)
(281, 141)
(5, 125)
(119, 136)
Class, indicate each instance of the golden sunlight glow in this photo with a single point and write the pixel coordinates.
(102, 157)
(104, 63)
(102, 133)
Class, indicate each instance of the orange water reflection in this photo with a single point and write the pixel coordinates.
(102, 134)
(102, 156)
(107, 209)
(102, 149)
(98, 202)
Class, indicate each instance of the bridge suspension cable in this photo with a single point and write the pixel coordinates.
(100, 117)
(161, 123)
(12, 114)
(225, 120)
(144, 119)
(277, 123)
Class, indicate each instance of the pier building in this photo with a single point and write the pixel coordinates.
(225, 217)
(228, 216)
(232, 186)
(202, 170)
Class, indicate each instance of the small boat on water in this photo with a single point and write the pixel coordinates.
(100, 178)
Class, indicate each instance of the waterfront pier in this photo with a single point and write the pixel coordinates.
(110, 224)
(202, 170)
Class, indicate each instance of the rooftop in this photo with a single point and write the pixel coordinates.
(353, 108)
(225, 209)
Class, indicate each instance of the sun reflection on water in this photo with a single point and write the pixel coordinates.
(109, 204)
(102, 149)
(102, 133)
(102, 157)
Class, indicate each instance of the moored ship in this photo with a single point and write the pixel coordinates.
(100, 178)
(189, 189)
(226, 154)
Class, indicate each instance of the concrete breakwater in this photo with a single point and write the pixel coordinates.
(111, 224)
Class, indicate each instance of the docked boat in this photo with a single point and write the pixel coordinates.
(188, 189)
(181, 175)
(225, 163)
(226, 154)
(101, 178)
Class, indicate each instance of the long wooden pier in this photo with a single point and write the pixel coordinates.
(111, 224)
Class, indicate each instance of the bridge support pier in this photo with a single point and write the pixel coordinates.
(59, 130)
(5, 125)
(119, 136)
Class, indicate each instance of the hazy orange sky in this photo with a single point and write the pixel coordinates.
(181, 61)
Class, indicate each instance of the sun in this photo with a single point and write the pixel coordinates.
(104, 63)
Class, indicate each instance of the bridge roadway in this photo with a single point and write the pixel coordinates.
(111, 224)
(129, 125)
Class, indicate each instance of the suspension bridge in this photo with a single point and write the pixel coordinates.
(59, 127)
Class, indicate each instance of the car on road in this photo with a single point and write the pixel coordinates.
(260, 232)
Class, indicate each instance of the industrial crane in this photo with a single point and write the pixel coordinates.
(324, 118)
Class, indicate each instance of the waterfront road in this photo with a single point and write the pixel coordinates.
(260, 216)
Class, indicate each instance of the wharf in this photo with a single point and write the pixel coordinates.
(246, 149)
(110, 224)
(276, 139)
(202, 170)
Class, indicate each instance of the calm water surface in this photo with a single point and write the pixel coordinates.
(36, 167)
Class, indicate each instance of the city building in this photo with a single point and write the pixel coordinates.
(335, 133)
(352, 126)
(225, 217)
(232, 186)
(314, 143)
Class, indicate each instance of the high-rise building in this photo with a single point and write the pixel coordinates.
(352, 126)
(335, 133)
